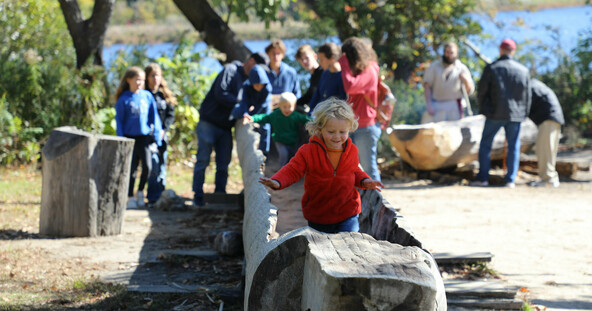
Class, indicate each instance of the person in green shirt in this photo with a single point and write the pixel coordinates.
(284, 126)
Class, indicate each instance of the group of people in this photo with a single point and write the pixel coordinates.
(145, 115)
(335, 111)
(339, 113)
(507, 95)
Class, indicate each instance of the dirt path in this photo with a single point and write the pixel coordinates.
(539, 236)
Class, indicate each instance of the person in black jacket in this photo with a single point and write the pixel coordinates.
(307, 58)
(504, 98)
(547, 114)
(165, 106)
(214, 129)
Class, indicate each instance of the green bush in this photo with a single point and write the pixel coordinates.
(18, 141)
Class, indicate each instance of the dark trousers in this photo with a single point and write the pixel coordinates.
(141, 154)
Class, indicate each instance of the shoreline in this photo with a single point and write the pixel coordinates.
(171, 31)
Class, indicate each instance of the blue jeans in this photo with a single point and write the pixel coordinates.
(211, 137)
(157, 178)
(349, 225)
(513, 157)
(366, 139)
(285, 153)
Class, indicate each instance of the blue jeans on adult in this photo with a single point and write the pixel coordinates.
(211, 137)
(157, 178)
(513, 156)
(351, 224)
(366, 139)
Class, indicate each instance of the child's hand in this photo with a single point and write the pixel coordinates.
(247, 119)
(372, 184)
(269, 182)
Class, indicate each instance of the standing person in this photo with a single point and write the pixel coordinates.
(547, 114)
(308, 59)
(137, 118)
(330, 84)
(359, 72)
(444, 81)
(329, 165)
(256, 99)
(214, 129)
(283, 77)
(285, 126)
(504, 98)
(165, 105)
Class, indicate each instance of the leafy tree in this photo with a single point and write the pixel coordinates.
(404, 33)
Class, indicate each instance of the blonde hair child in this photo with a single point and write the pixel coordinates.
(330, 167)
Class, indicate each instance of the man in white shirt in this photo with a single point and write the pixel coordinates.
(444, 82)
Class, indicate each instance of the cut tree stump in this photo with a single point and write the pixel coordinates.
(85, 183)
(445, 144)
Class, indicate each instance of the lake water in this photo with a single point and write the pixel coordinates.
(524, 27)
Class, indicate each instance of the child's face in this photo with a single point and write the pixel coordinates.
(258, 86)
(335, 132)
(136, 82)
(154, 80)
(286, 108)
(324, 61)
(308, 61)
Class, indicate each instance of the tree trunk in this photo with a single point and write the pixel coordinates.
(85, 183)
(87, 35)
(214, 30)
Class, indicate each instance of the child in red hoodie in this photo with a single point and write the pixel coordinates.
(329, 164)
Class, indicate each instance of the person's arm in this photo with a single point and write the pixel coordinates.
(119, 116)
(360, 84)
(154, 119)
(483, 90)
(467, 80)
(288, 174)
(226, 91)
(427, 93)
(261, 118)
(169, 117)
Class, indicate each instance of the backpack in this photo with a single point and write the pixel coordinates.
(386, 104)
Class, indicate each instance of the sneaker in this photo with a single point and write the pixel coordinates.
(131, 203)
(510, 185)
(479, 183)
(140, 199)
(555, 184)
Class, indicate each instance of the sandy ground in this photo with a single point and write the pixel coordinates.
(539, 237)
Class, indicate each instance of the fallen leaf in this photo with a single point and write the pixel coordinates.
(524, 289)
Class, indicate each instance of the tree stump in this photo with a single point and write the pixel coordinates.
(85, 183)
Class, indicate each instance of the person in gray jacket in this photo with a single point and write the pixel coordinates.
(547, 114)
(504, 98)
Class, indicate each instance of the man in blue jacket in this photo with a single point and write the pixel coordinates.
(283, 77)
(547, 114)
(504, 99)
(214, 129)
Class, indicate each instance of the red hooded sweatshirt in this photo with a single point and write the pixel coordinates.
(360, 87)
(330, 195)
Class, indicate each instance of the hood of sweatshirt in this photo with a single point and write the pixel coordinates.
(258, 75)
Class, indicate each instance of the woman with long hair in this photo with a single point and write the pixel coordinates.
(359, 71)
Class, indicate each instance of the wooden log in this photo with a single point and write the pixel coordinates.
(85, 183)
(308, 270)
(444, 144)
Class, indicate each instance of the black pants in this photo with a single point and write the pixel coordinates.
(141, 154)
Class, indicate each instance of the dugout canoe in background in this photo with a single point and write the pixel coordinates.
(449, 143)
